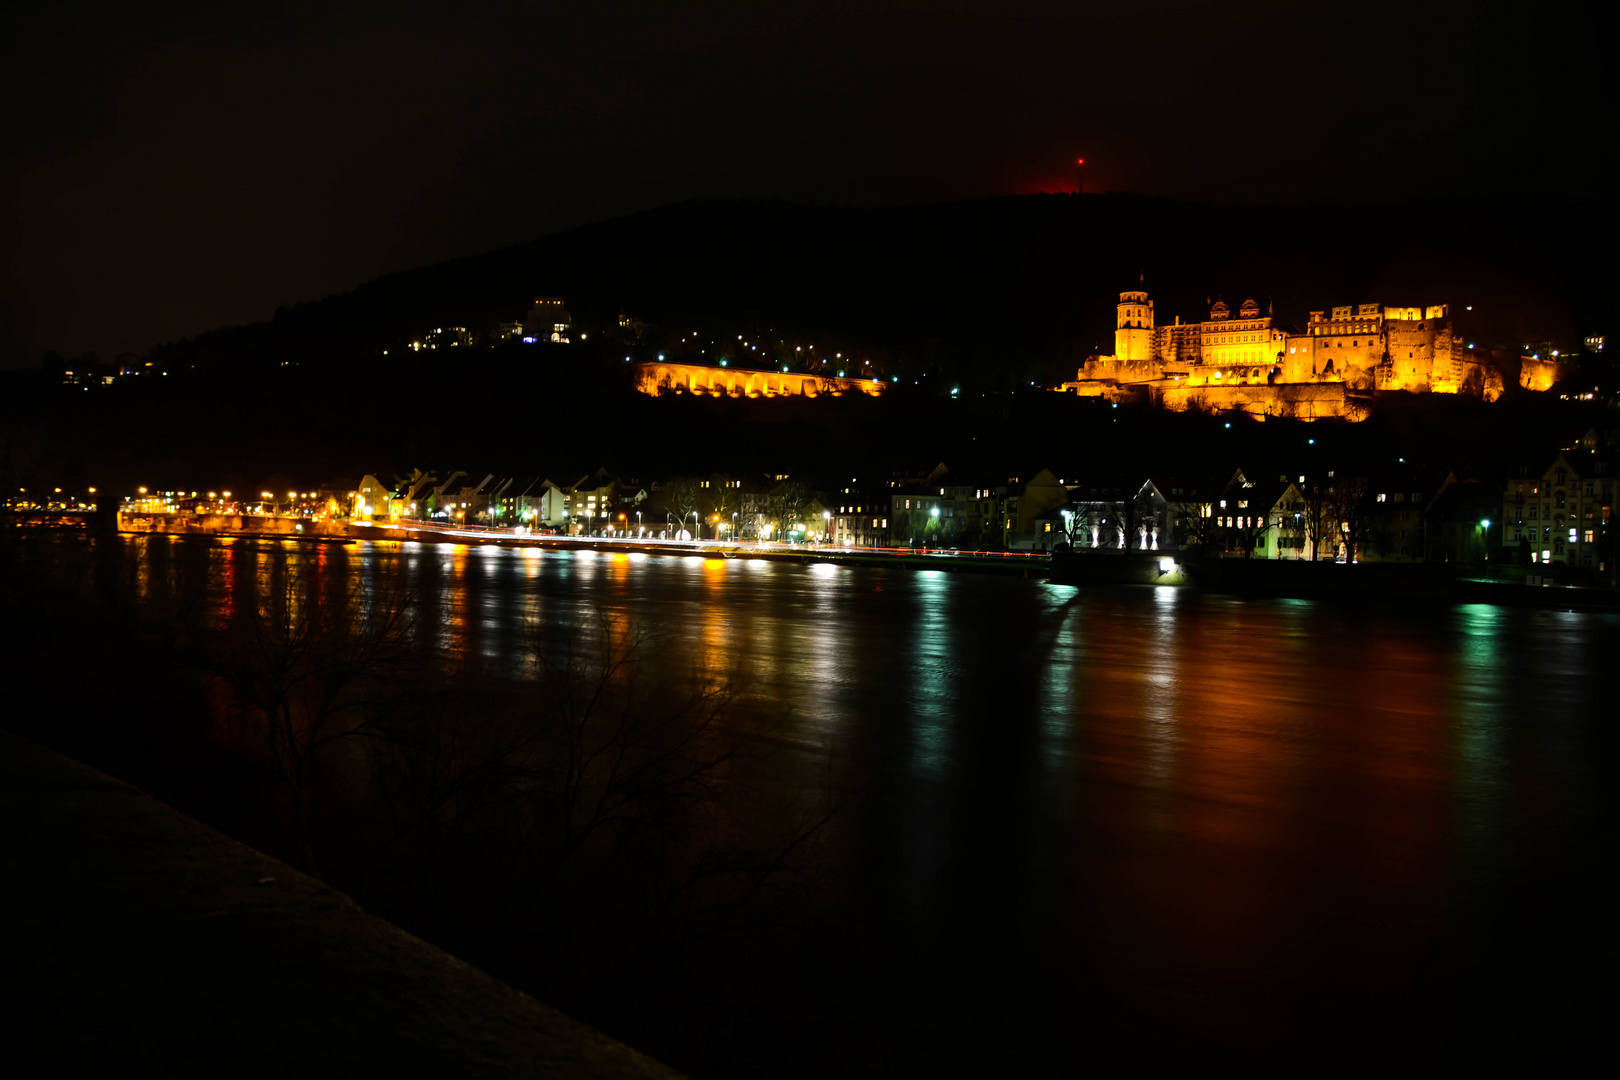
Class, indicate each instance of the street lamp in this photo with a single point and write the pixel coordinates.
(1485, 526)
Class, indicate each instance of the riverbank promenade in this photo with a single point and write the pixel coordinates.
(137, 939)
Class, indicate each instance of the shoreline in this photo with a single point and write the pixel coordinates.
(1366, 583)
(1013, 563)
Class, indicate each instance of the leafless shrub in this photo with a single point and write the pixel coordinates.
(306, 668)
(598, 814)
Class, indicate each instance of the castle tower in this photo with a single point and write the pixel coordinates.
(1133, 329)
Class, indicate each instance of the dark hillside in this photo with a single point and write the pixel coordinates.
(989, 296)
(979, 290)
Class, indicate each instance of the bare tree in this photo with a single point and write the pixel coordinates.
(310, 667)
(602, 798)
(681, 497)
(651, 781)
(1251, 532)
(1193, 523)
(1320, 520)
(794, 498)
(721, 501)
(1349, 505)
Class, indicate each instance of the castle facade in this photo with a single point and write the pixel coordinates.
(1250, 361)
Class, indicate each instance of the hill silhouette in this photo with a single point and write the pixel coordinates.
(1013, 286)
(989, 296)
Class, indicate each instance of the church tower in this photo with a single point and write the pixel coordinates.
(1133, 331)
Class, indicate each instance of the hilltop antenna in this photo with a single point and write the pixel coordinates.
(1080, 176)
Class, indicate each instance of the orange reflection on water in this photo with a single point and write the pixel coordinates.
(228, 584)
(455, 620)
(1210, 743)
(718, 650)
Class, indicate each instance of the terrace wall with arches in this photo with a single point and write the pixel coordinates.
(705, 381)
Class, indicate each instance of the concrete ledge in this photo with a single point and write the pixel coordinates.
(136, 937)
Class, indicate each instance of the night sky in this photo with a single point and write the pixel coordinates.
(172, 167)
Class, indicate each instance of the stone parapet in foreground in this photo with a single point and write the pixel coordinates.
(138, 938)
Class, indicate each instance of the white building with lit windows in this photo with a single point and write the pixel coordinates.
(1561, 512)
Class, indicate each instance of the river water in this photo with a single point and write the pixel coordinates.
(1078, 825)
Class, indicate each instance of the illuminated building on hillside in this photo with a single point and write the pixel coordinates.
(1249, 361)
(548, 320)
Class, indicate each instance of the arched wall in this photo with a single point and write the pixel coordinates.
(732, 382)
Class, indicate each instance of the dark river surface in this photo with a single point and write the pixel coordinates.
(1136, 824)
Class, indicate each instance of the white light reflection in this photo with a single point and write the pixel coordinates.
(932, 675)
(929, 680)
(1161, 699)
(1057, 700)
(1481, 688)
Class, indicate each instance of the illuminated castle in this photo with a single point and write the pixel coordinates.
(1253, 363)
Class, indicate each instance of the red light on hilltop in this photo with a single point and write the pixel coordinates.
(1082, 161)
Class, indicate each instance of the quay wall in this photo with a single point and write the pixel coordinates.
(249, 526)
(256, 525)
(149, 942)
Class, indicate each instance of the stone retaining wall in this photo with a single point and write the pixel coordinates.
(137, 941)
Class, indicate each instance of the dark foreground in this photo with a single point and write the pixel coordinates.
(134, 938)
